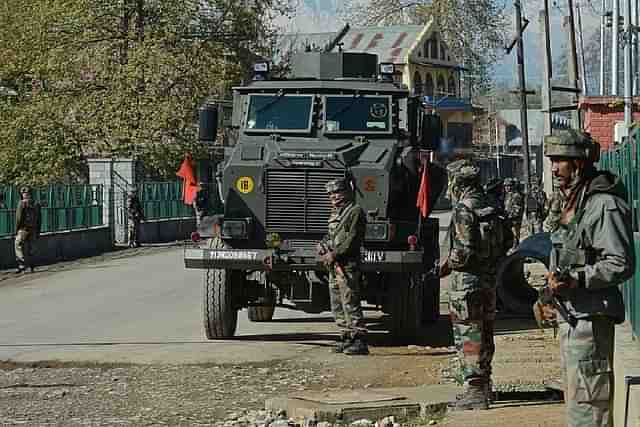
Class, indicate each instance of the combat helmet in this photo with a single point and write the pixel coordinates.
(338, 185)
(463, 171)
(573, 144)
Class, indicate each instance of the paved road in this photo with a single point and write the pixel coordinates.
(143, 309)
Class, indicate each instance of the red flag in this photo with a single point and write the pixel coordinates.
(423, 194)
(190, 185)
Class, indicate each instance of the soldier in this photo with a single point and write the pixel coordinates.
(593, 254)
(477, 242)
(340, 251)
(554, 211)
(134, 216)
(535, 208)
(514, 208)
(200, 203)
(494, 189)
(27, 230)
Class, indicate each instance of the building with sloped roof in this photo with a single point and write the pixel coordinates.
(424, 64)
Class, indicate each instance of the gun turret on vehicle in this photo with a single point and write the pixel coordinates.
(340, 116)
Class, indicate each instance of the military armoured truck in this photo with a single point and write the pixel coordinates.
(341, 115)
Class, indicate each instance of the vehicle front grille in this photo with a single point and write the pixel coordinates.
(297, 201)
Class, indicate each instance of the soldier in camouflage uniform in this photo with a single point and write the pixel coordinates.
(554, 212)
(27, 230)
(134, 216)
(494, 189)
(593, 254)
(536, 202)
(514, 208)
(473, 254)
(340, 251)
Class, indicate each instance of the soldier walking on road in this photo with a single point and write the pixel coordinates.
(514, 208)
(593, 254)
(554, 208)
(477, 241)
(340, 251)
(134, 216)
(494, 189)
(27, 230)
(535, 208)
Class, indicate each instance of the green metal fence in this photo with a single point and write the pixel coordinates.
(63, 207)
(164, 200)
(624, 161)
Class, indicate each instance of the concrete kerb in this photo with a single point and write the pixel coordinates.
(626, 364)
(373, 404)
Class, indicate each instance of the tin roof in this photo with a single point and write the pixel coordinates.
(391, 44)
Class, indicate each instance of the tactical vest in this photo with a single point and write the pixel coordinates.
(572, 251)
(337, 229)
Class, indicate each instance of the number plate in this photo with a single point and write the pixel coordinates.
(373, 256)
(232, 255)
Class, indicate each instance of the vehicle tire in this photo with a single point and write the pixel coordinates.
(220, 313)
(261, 313)
(406, 305)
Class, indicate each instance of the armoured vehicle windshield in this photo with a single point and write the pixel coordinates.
(349, 113)
(284, 113)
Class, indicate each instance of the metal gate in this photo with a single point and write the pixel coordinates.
(118, 194)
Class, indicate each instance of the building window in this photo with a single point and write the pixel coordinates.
(417, 84)
(453, 90)
(433, 46)
(442, 86)
(442, 52)
(428, 85)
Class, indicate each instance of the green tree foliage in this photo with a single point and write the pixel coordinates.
(474, 30)
(120, 78)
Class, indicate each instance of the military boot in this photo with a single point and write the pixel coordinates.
(473, 397)
(357, 347)
(342, 342)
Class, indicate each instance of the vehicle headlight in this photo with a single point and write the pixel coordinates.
(235, 229)
(378, 231)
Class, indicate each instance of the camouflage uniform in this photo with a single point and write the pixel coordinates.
(594, 239)
(27, 230)
(472, 303)
(554, 212)
(535, 209)
(134, 216)
(345, 236)
(514, 208)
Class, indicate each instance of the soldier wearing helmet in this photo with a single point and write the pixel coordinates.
(135, 215)
(476, 242)
(340, 251)
(27, 230)
(514, 208)
(494, 189)
(593, 253)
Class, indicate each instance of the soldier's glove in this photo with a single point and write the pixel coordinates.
(545, 315)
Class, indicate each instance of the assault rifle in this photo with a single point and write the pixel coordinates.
(324, 249)
(547, 297)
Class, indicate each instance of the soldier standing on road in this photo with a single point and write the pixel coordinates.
(535, 208)
(27, 230)
(340, 251)
(494, 189)
(477, 241)
(593, 247)
(134, 216)
(514, 208)
(200, 203)
(554, 208)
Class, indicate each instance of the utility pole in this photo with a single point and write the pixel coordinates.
(583, 68)
(524, 125)
(615, 23)
(628, 84)
(543, 20)
(573, 63)
(603, 25)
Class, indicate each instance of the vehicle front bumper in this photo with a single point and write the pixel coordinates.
(272, 260)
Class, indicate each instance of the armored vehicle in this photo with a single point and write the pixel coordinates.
(340, 116)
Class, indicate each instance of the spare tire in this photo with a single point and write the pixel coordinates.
(513, 289)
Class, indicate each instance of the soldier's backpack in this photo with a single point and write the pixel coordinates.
(496, 237)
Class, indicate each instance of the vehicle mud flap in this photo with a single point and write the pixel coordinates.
(431, 259)
(513, 290)
(405, 293)
(263, 312)
(220, 308)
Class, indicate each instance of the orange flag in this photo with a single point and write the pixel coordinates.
(423, 194)
(190, 184)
